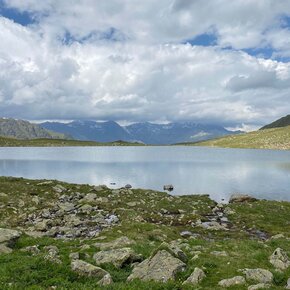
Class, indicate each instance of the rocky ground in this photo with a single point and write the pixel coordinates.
(55, 235)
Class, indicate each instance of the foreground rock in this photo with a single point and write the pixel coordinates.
(85, 269)
(106, 280)
(259, 286)
(162, 267)
(238, 280)
(239, 198)
(258, 275)
(279, 259)
(196, 277)
(118, 257)
(9, 237)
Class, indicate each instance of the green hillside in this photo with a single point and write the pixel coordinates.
(25, 130)
(277, 138)
(282, 122)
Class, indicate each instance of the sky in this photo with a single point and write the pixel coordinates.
(214, 61)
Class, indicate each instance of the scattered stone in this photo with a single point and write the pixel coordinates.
(118, 243)
(196, 277)
(85, 269)
(214, 226)
(118, 257)
(90, 197)
(238, 198)
(100, 187)
(33, 250)
(4, 249)
(74, 256)
(106, 280)
(59, 188)
(219, 253)
(238, 280)
(132, 204)
(161, 267)
(258, 275)
(174, 249)
(2, 194)
(229, 211)
(259, 286)
(9, 237)
(277, 237)
(279, 259)
(288, 284)
(52, 254)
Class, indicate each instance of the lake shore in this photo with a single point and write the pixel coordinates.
(73, 236)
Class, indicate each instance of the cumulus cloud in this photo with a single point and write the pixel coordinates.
(128, 60)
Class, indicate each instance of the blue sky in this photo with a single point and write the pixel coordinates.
(177, 60)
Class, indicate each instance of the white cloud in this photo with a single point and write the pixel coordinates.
(151, 75)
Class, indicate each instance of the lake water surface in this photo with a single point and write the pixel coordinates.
(192, 170)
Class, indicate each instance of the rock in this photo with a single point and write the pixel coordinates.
(238, 280)
(174, 250)
(229, 211)
(100, 187)
(59, 188)
(214, 226)
(41, 226)
(9, 237)
(118, 243)
(196, 277)
(74, 256)
(259, 286)
(279, 259)
(258, 275)
(67, 206)
(288, 284)
(219, 253)
(90, 197)
(52, 254)
(161, 267)
(4, 249)
(85, 269)
(34, 250)
(132, 204)
(118, 257)
(237, 198)
(277, 237)
(106, 280)
(112, 219)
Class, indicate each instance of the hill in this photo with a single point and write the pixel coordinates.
(148, 133)
(282, 122)
(25, 130)
(277, 138)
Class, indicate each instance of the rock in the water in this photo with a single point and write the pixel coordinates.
(279, 259)
(258, 275)
(118, 243)
(161, 267)
(118, 257)
(238, 280)
(106, 280)
(9, 237)
(85, 269)
(259, 286)
(237, 198)
(196, 277)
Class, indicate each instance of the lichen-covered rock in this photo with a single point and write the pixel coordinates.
(237, 280)
(118, 243)
(196, 277)
(118, 257)
(279, 259)
(85, 269)
(9, 237)
(259, 286)
(238, 198)
(258, 275)
(161, 267)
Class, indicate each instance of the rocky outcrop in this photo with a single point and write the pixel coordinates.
(279, 259)
(258, 275)
(9, 237)
(85, 269)
(117, 257)
(196, 277)
(238, 198)
(161, 267)
(106, 280)
(237, 280)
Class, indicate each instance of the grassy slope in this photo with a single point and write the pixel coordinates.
(148, 228)
(278, 138)
(11, 142)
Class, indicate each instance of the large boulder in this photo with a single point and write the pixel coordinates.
(258, 275)
(238, 198)
(196, 277)
(279, 259)
(161, 267)
(9, 237)
(118, 257)
(85, 269)
(237, 280)
(118, 243)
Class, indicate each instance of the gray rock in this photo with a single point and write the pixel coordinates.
(259, 275)
(4, 249)
(85, 269)
(33, 250)
(219, 253)
(106, 280)
(59, 188)
(52, 254)
(74, 256)
(9, 237)
(279, 259)
(118, 243)
(161, 267)
(67, 206)
(175, 250)
(238, 280)
(259, 286)
(41, 226)
(90, 197)
(214, 226)
(288, 284)
(196, 277)
(238, 198)
(277, 237)
(100, 187)
(118, 257)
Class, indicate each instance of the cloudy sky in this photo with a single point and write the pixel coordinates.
(218, 61)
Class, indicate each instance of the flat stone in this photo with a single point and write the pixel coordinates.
(85, 269)
(118, 243)
(238, 280)
(196, 277)
(161, 267)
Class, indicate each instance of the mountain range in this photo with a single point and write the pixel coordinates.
(282, 122)
(147, 133)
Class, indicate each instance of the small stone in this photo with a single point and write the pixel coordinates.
(259, 286)
(85, 269)
(74, 256)
(238, 280)
(278, 237)
(106, 280)
(34, 250)
(59, 188)
(196, 277)
(219, 253)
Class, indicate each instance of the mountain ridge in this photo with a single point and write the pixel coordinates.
(282, 122)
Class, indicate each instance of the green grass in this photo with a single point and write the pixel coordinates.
(145, 224)
(278, 138)
(12, 142)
